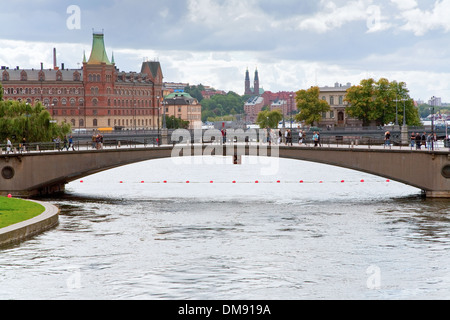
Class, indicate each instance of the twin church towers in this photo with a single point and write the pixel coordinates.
(255, 90)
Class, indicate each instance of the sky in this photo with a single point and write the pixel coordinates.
(293, 44)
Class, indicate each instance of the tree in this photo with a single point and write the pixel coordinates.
(381, 102)
(22, 120)
(310, 106)
(269, 119)
(195, 92)
(176, 123)
(222, 105)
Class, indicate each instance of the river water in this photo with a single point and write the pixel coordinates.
(125, 234)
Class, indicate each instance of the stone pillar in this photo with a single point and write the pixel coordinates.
(405, 136)
(164, 137)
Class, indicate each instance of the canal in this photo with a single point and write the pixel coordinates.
(196, 228)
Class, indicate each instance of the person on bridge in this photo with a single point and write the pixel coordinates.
(8, 146)
(316, 139)
(418, 141)
(387, 139)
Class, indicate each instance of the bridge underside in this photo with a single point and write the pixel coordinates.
(46, 173)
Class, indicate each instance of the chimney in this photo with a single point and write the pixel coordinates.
(62, 66)
(54, 58)
(42, 66)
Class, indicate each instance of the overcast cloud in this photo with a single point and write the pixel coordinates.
(293, 44)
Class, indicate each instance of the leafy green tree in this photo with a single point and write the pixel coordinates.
(269, 119)
(195, 92)
(381, 102)
(222, 105)
(310, 106)
(176, 123)
(22, 120)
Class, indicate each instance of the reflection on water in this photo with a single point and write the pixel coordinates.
(225, 240)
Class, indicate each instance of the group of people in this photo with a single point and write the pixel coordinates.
(97, 141)
(67, 143)
(423, 139)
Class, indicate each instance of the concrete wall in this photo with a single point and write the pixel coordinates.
(27, 229)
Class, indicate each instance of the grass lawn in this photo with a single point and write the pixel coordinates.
(13, 211)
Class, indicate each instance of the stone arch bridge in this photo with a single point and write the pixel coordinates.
(44, 173)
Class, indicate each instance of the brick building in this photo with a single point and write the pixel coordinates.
(96, 96)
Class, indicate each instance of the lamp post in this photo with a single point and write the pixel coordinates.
(433, 99)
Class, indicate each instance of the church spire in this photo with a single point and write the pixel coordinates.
(256, 87)
(248, 91)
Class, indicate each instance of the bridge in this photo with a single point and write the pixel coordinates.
(47, 172)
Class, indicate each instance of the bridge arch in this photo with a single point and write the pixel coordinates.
(43, 173)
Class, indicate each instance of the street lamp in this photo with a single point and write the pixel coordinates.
(433, 99)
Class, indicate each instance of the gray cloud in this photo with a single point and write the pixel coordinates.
(359, 36)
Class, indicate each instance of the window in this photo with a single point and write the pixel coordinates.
(23, 76)
(90, 78)
(59, 76)
(76, 76)
(95, 123)
(41, 76)
(341, 100)
(331, 100)
(5, 76)
(94, 102)
(55, 102)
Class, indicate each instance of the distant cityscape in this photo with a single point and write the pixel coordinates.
(98, 95)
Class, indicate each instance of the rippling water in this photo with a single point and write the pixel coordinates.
(146, 239)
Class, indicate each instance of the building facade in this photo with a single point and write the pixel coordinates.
(337, 116)
(252, 108)
(182, 106)
(96, 96)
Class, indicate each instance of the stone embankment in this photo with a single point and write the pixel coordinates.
(29, 228)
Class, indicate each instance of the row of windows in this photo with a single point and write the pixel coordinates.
(72, 91)
(332, 100)
(43, 91)
(41, 76)
(80, 112)
(116, 122)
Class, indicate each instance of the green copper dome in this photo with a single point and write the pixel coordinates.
(98, 53)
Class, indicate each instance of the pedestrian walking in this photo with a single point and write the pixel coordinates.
(418, 141)
(387, 139)
(71, 145)
(65, 144)
(8, 146)
(315, 139)
(429, 144)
